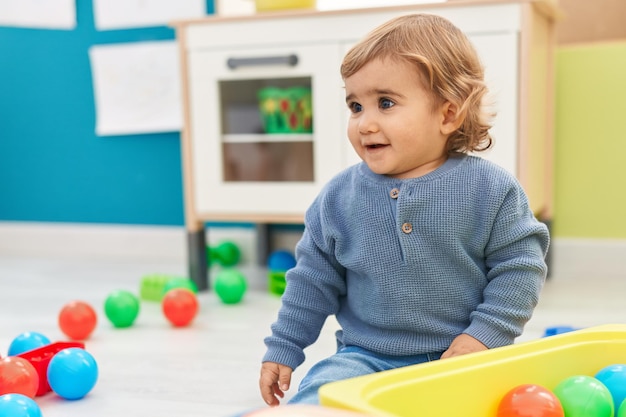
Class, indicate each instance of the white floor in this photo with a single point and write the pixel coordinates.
(211, 368)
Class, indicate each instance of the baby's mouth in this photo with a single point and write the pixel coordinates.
(375, 146)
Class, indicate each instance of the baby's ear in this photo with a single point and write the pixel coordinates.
(451, 119)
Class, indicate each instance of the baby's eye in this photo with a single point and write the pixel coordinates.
(385, 103)
(355, 107)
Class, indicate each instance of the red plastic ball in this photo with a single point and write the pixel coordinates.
(77, 320)
(18, 376)
(530, 400)
(180, 306)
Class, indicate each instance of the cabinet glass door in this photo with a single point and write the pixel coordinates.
(265, 128)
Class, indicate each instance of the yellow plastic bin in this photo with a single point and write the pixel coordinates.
(272, 5)
(473, 385)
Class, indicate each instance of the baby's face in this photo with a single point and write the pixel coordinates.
(394, 126)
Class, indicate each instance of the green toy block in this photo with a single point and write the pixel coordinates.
(276, 282)
(154, 286)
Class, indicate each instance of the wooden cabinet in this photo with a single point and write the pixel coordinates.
(236, 169)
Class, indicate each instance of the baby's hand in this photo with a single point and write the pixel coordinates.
(274, 381)
(463, 344)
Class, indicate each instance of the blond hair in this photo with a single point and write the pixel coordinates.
(448, 65)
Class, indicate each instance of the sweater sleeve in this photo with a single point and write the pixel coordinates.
(515, 258)
(314, 287)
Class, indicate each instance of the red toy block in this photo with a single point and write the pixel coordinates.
(40, 358)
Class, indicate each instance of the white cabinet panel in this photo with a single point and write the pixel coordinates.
(211, 79)
(499, 55)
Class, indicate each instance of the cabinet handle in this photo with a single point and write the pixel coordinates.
(289, 60)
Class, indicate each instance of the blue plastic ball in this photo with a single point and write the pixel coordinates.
(281, 260)
(27, 341)
(614, 378)
(18, 405)
(72, 373)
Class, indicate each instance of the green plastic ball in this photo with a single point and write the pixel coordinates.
(621, 412)
(180, 282)
(230, 286)
(211, 255)
(584, 396)
(121, 308)
(226, 254)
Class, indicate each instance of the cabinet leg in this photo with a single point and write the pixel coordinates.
(197, 259)
(263, 243)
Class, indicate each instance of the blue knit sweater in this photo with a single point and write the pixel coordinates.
(408, 265)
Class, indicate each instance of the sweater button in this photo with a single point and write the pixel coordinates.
(407, 228)
(394, 193)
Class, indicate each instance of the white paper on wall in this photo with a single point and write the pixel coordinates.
(122, 14)
(43, 14)
(137, 87)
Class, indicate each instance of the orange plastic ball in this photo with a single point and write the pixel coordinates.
(77, 320)
(180, 306)
(530, 400)
(18, 376)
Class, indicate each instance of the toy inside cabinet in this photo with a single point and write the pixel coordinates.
(265, 119)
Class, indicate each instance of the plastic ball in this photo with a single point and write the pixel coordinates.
(180, 282)
(17, 405)
(27, 341)
(614, 378)
(72, 373)
(18, 376)
(230, 286)
(121, 308)
(621, 411)
(226, 254)
(584, 396)
(211, 255)
(180, 306)
(530, 400)
(281, 260)
(77, 320)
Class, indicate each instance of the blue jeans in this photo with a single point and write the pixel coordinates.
(350, 362)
